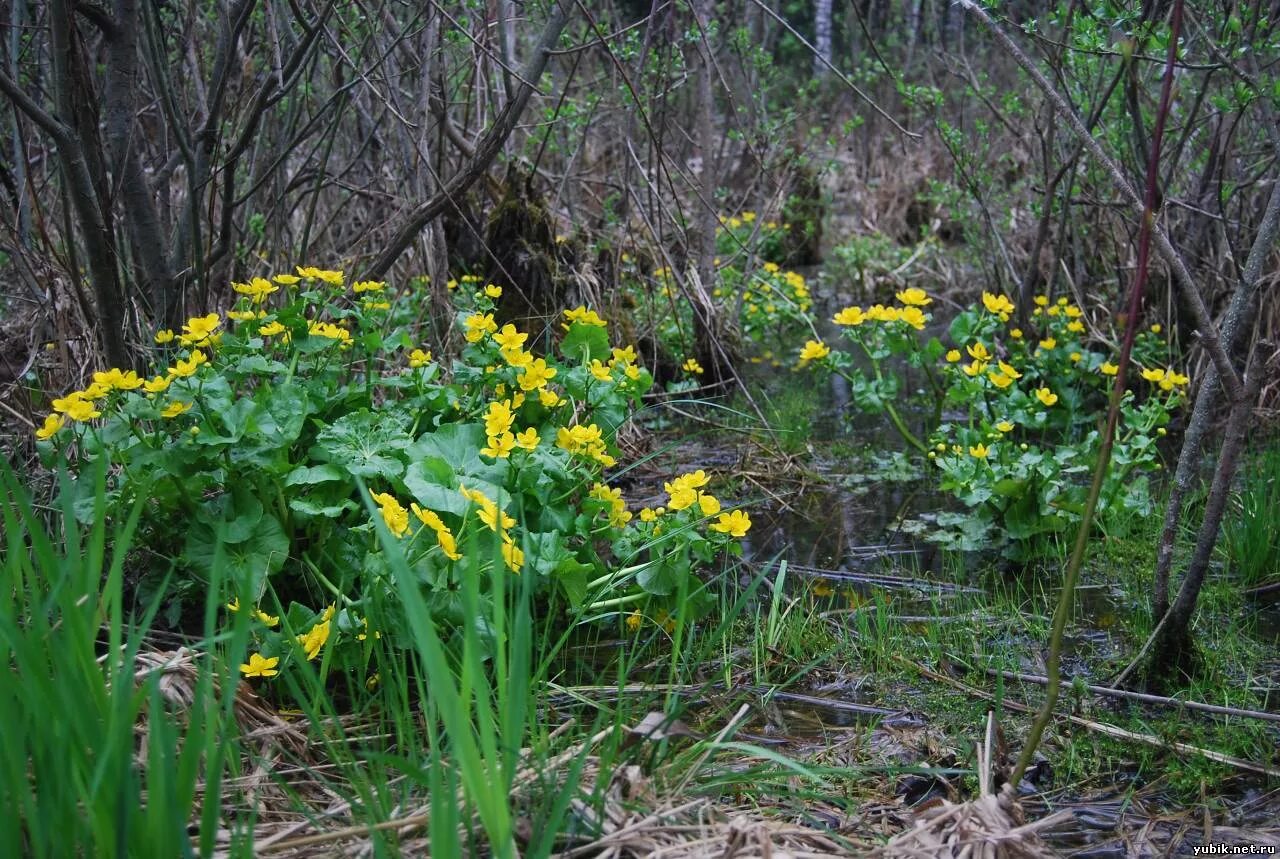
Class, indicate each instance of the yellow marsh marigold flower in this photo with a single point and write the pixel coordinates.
(200, 330)
(510, 338)
(187, 366)
(490, 514)
(163, 336)
(813, 350)
(393, 513)
(271, 329)
(735, 523)
(499, 446)
(1156, 329)
(268, 620)
(914, 296)
(1048, 343)
(76, 407)
(1000, 380)
(258, 666)
(242, 315)
(975, 368)
(997, 304)
(1076, 357)
(528, 439)
(651, 514)
(1073, 312)
(1053, 311)
(333, 278)
(418, 358)
(978, 351)
(1075, 326)
(1154, 375)
(1008, 370)
(979, 451)
(1004, 426)
(1176, 378)
(599, 370)
(535, 375)
(1015, 333)
(583, 315)
(549, 398)
(52, 423)
(708, 504)
(1046, 396)
(517, 357)
(913, 316)
(625, 356)
(493, 290)
(953, 356)
(329, 331)
(444, 536)
(368, 286)
(286, 279)
(1109, 369)
(634, 621)
(477, 325)
(512, 554)
(692, 366)
(1042, 301)
(175, 408)
(118, 380)
(257, 289)
(313, 640)
(851, 316)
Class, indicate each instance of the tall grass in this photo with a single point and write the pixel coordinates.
(1251, 531)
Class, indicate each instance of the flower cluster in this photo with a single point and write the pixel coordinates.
(267, 433)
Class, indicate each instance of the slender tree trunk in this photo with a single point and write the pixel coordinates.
(821, 37)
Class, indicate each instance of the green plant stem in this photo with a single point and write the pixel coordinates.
(894, 417)
(1072, 574)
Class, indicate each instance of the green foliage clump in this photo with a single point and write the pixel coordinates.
(275, 443)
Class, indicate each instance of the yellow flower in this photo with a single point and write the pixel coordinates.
(493, 290)
(490, 514)
(257, 289)
(1109, 369)
(1015, 333)
(200, 330)
(76, 407)
(499, 446)
(234, 605)
(267, 619)
(329, 331)
(1000, 380)
(477, 325)
(649, 514)
(548, 398)
(599, 371)
(271, 329)
(188, 366)
(52, 423)
(913, 316)
(258, 666)
(286, 279)
(1073, 312)
(997, 304)
(527, 440)
(393, 513)
(368, 286)
(978, 352)
(510, 338)
(1076, 357)
(914, 296)
(850, 316)
(175, 408)
(583, 315)
(1062, 302)
(953, 356)
(1176, 378)
(333, 278)
(117, 380)
(1008, 370)
(708, 504)
(1046, 396)
(735, 523)
(1155, 375)
(535, 375)
(1004, 426)
(979, 451)
(974, 368)
(314, 640)
(1042, 300)
(692, 366)
(813, 350)
(1075, 326)
(163, 336)
(634, 620)
(1156, 329)
(444, 536)
(1048, 343)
